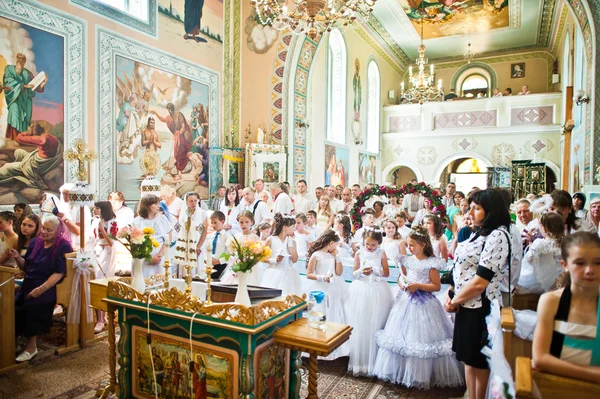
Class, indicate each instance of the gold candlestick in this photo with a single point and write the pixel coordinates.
(188, 279)
(209, 271)
(167, 266)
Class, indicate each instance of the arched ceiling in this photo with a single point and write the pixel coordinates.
(492, 26)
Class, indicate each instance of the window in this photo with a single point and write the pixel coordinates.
(336, 97)
(473, 85)
(135, 8)
(373, 106)
(579, 76)
(135, 14)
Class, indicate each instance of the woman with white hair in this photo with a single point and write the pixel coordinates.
(44, 265)
(593, 215)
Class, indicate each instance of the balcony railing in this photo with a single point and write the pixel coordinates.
(513, 113)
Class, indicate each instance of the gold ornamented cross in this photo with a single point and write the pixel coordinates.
(81, 154)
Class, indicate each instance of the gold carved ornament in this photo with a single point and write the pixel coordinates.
(174, 299)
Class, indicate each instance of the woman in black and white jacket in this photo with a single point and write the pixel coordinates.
(480, 265)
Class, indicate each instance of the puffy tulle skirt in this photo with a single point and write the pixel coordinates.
(286, 279)
(367, 307)
(335, 297)
(415, 348)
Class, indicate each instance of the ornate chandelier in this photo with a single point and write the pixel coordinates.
(469, 55)
(311, 17)
(423, 89)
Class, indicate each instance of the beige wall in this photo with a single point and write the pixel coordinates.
(536, 74)
(356, 47)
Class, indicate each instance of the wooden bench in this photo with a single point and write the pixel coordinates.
(7, 319)
(513, 346)
(525, 302)
(76, 335)
(533, 384)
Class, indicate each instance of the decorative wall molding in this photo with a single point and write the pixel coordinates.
(559, 31)
(277, 86)
(454, 120)
(532, 115)
(227, 103)
(235, 90)
(149, 27)
(405, 122)
(73, 31)
(108, 46)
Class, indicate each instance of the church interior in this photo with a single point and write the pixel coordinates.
(166, 230)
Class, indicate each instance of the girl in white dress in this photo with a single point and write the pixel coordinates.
(368, 302)
(541, 264)
(193, 223)
(434, 226)
(151, 216)
(230, 209)
(391, 209)
(281, 273)
(393, 245)
(415, 347)
(245, 220)
(324, 274)
(343, 227)
(303, 238)
(324, 213)
(104, 226)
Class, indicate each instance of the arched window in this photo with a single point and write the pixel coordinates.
(579, 75)
(336, 95)
(473, 85)
(135, 14)
(373, 106)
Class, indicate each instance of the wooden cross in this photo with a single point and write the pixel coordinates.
(81, 154)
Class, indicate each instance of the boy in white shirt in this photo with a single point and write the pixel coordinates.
(401, 219)
(216, 242)
(311, 225)
(368, 220)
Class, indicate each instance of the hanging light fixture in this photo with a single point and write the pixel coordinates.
(469, 55)
(311, 17)
(423, 89)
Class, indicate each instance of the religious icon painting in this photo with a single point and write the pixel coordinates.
(367, 168)
(161, 129)
(271, 370)
(517, 70)
(215, 372)
(270, 172)
(32, 113)
(337, 163)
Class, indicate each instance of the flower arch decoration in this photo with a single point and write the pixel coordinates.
(426, 190)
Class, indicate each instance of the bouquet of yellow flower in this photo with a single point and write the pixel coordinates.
(139, 242)
(246, 255)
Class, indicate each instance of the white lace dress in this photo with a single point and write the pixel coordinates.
(392, 250)
(540, 267)
(367, 306)
(335, 295)
(415, 347)
(282, 275)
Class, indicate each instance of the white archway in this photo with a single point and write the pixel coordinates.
(385, 174)
(458, 155)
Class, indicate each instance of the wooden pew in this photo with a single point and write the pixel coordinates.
(525, 302)
(7, 320)
(513, 346)
(63, 298)
(533, 384)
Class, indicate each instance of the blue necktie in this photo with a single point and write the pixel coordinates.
(214, 247)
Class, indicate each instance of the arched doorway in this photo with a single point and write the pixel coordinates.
(466, 172)
(401, 175)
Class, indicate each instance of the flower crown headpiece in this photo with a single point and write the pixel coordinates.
(420, 231)
(288, 216)
(340, 216)
(374, 229)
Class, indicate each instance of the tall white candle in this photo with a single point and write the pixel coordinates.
(208, 256)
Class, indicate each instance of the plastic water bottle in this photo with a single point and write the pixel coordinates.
(316, 309)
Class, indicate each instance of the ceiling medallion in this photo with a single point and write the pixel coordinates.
(311, 17)
(423, 89)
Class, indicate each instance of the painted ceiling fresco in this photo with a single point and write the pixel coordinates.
(455, 17)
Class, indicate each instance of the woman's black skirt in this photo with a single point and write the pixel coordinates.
(471, 335)
(33, 319)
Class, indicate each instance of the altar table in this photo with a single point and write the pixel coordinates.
(233, 349)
